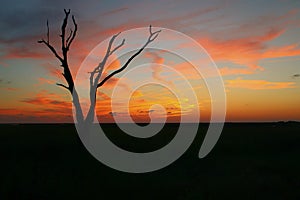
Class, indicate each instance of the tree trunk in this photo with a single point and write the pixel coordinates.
(78, 110)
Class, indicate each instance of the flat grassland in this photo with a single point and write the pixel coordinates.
(250, 161)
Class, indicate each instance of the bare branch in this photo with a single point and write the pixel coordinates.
(153, 35)
(63, 29)
(98, 70)
(47, 31)
(52, 49)
(117, 47)
(63, 58)
(73, 34)
(47, 43)
(108, 53)
(119, 70)
(151, 38)
(62, 85)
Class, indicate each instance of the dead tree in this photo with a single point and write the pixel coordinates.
(95, 75)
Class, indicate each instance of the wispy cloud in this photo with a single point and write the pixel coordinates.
(115, 11)
(47, 101)
(235, 71)
(258, 84)
(157, 68)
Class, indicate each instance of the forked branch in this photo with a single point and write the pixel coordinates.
(66, 41)
(72, 33)
(151, 38)
(98, 70)
(63, 58)
(65, 46)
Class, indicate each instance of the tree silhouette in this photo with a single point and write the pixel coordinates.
(95, 75)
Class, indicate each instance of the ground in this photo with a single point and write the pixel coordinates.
(250, 161)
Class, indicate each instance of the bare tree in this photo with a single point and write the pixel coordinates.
(95, 75)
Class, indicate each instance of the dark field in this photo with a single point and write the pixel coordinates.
(250, 161)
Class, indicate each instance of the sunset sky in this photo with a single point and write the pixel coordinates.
(255, 45)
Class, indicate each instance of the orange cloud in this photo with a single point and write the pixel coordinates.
(9, 111)
(47, 103)
(235, 71)
(250, 50)
(285, 51)
(113, 81)
(42, 107)
(22, 52)
(103, 96)
(53, 70)
(137, 94)
(258, 84)
(244, 51)
(42, 80)
(113, 65)
(188, 70)
(21, 48)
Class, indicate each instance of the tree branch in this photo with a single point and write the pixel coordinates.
(117, 47)
(108, 51)
(64, 57)
(65, 45)
(48, 31)
(62, 85)
(151, 38)
(153, 35)
(99, 68)
(71, 32)
(63, 29)
(52, 49)
(69, 42)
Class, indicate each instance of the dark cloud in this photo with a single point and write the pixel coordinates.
(21, 19)
(296, 76)
(23, 22)
(3, 81)
(114, 11)
(113, 113)
(146, 111)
